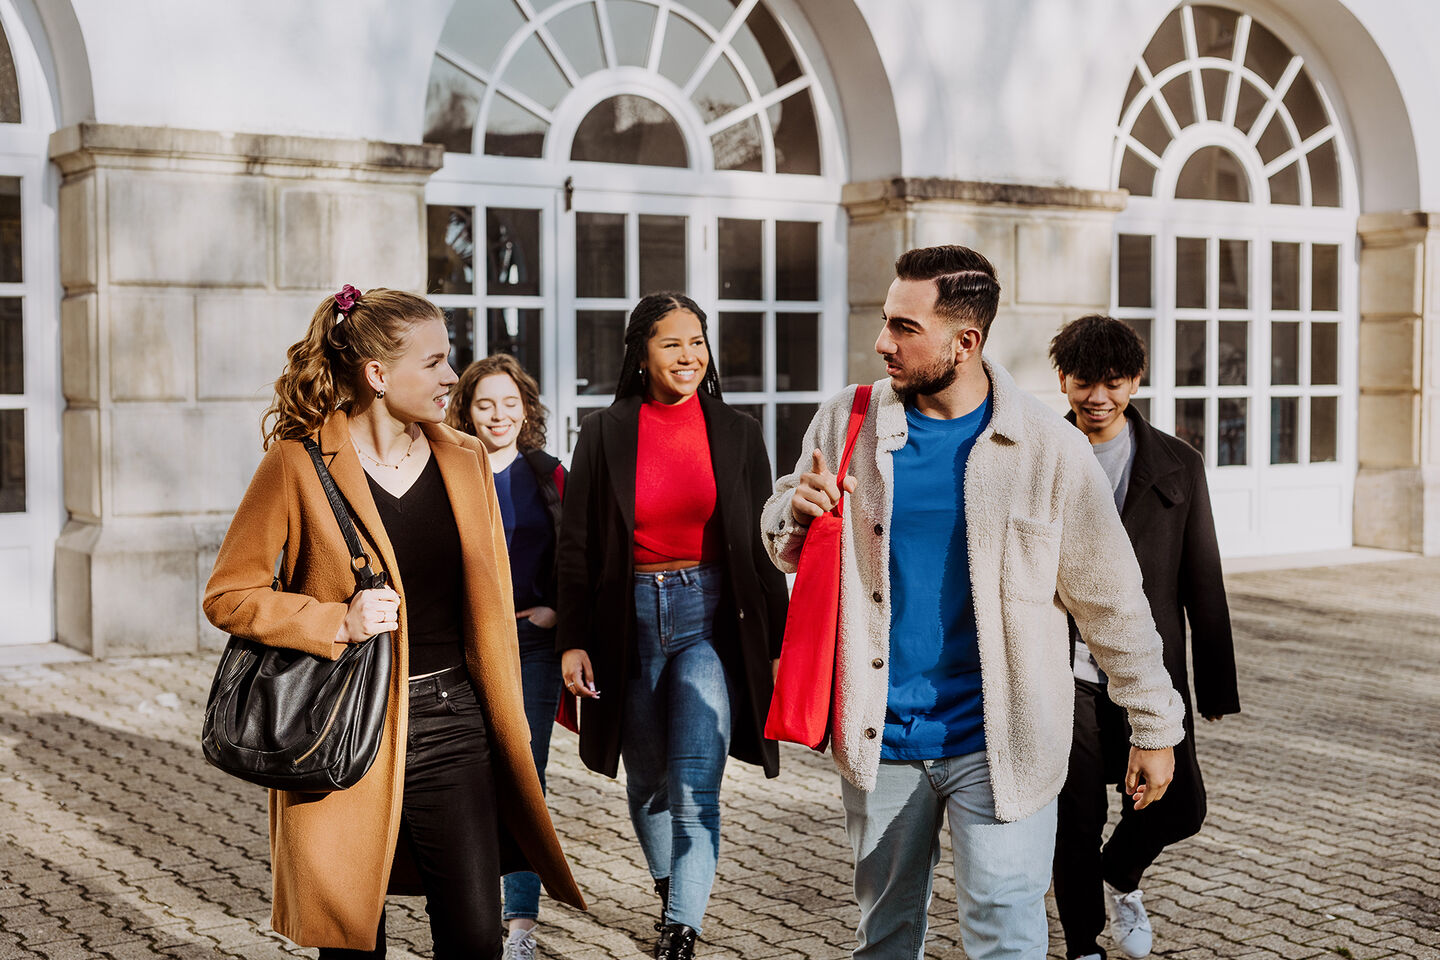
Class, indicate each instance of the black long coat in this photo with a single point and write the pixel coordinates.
(1167, 515)
(596, 566)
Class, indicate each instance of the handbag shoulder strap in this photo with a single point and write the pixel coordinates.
(359, 560)
(857, 417)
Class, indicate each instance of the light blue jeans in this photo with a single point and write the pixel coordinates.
(676, 733)
(1002, 870)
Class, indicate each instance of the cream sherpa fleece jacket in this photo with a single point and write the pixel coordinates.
(1044, 539)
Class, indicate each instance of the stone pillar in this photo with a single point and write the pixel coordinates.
(1050, 247)
(190, 261)
(1397, 489)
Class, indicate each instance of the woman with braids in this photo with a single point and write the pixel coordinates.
(454, 786)
(498, 402)
(670, 612)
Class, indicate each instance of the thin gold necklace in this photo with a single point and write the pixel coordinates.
(382, 463)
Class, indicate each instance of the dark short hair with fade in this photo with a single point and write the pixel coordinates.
(967, 292)
(1098, 348)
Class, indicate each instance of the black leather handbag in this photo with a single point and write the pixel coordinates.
(293, 721)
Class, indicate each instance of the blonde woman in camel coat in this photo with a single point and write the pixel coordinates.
(368, 382)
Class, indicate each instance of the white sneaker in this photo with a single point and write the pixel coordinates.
(521, 945)
(1129, 925)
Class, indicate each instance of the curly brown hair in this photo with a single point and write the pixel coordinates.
(324, 369)
(462, 395)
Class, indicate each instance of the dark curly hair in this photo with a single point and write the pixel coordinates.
(1097, 348)
(462, 395)
(648, 312)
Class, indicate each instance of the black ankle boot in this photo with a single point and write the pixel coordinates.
(676, 942)
(662, 890)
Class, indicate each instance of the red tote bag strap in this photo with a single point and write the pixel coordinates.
(857, 417)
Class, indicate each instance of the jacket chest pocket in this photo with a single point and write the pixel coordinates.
(1030, 563)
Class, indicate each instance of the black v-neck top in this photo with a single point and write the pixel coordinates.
(422, 532)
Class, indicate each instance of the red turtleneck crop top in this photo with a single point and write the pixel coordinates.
(674, 485)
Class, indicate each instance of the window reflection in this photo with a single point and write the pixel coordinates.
(451, 105)
(460, 325)
(797, 140)
(630, 129)
(12, 345)
(1232, 435)
(1324, 424)
(516, 331)
(742, 351)
(797, 260)
(513, 246)
(791, 422)
(1190, 421)
(600, 254)
(1213, 173)
(513, 131)
(739, 147)
(450, 241)
(1284, 430)
(599, 350)
(797, 351)
(12, 461)
(11, 260)
(662, 254)
(9, 87)
(741, 252)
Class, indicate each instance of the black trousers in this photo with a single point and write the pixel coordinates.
(1099, 754)
(448, 818)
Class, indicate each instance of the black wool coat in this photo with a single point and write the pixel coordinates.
(1167, 515)
(595, 560)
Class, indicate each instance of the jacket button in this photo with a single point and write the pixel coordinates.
(877, 663)
(742, 614)
(869, 733)
(875, 596)
(879, 530)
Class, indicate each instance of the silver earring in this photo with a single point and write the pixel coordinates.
(379, 394)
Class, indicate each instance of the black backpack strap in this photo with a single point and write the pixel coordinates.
(359, 560)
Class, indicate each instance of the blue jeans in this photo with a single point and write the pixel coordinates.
(540, 679)
(1002, 870)
(675, 734)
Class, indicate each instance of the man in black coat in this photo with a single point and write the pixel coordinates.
(1164, 503)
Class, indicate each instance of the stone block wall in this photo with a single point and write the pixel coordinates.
(190, 261)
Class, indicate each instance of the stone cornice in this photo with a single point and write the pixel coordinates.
(87, 146)
(875, 196)
(1400, 226)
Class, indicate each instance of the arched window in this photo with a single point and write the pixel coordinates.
(1235, 262)
(600, 150)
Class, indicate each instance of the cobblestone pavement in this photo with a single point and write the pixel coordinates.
(116, 840)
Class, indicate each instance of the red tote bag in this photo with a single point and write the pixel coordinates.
(800, 707)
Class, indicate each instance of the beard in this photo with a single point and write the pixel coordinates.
(928, 380)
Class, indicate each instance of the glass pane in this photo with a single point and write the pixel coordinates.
(1324, 421)
(1303, 102)
(1234, 358)
(797, 260)
(791, 422)
(1285, 352)
(12, 345)
(1285, 185)
(1284, 276)
(1190, 353)
(578, 34)
(1213, 173)
(1324, 354)
(765, 50)
(1150, 130)
(1234, 274)
(720, 92)
(717, 13)
(632, 24)
(1215, 32)
(460, 325)
(9, 88)
(742, 352)
(450, 242)
(513, 131)
(1190, 421)
(1136, 175)
(1324, 276)
(1135, 270)
(1190, 274)
(1215, 83)
(1274, 141)
(12, 461)
(683, 49)
(741, 250)
(1265, 54)
(662, 254)
(452, 101)
(797, 139)
(1324, 175)
(11, 260)
(479, 31)
(1248, 106)
(512, 240)
(1284, 429)
(630, 129)
(1142, 328)
(599, 350)
(515, 331)
(797, 351)
(739, 147)
(600, 254)
(1143, 405)
(1232, 432)
(1135, 86)
(533, 72)
(1168, 44)
(1180, 100)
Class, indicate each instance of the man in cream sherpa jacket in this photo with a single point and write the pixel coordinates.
(1032, 512)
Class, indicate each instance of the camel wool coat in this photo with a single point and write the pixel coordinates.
(332, 854)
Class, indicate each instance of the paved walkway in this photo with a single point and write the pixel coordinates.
(116, 840)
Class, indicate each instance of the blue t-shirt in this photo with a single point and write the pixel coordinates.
(934, 708)
(529, 533)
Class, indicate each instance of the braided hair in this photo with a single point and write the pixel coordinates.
(634, 381)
